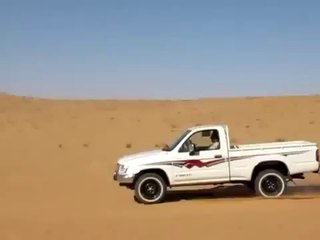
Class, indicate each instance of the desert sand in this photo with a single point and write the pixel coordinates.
(58, 157)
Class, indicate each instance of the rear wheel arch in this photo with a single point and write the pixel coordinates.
(272, 164)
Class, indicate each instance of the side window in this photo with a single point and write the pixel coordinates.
(202, 140)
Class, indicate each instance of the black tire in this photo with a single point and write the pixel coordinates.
(150, 188)
(270, 184)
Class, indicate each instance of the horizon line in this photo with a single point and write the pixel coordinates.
(154, 99)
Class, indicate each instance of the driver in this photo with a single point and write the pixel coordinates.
(215, 141)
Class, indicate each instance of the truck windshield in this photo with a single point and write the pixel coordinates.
(176, 142)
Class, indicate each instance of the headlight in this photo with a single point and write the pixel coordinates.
(122, 169)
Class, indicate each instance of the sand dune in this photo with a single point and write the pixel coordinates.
(57, 160)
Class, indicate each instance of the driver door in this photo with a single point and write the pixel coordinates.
(201, 164)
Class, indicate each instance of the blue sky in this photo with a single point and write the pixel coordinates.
(159, 49)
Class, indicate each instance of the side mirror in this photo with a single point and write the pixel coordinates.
(192, 148)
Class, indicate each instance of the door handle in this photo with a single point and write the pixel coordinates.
(218, 156)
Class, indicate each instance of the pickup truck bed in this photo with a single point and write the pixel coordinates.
(289, 147)
(270, 145)
(298, 156)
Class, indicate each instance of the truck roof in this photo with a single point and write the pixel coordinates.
(206, 126)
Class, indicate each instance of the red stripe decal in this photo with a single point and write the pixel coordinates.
(198, 163)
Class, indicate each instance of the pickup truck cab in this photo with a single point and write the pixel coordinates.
(203, 155)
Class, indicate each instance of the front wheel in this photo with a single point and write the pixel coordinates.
(270, 184)
(150, 188)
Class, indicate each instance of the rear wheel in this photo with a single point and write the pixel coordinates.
(270, 183)
(150, 188)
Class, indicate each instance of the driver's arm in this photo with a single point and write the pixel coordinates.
(214, 146)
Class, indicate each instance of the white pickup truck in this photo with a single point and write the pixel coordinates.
(202, 155)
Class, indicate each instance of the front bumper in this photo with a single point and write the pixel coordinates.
(123, 178)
